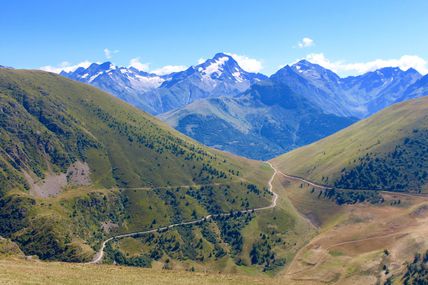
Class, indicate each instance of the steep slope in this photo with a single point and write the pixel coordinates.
(77, 164)
(355, 96)
(387, 151)
(219, 76)
(416, 90)
(316, 84)
(265, 121)
(379, 89)
(127, 84)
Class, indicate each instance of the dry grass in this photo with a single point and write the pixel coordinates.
(349, 248)
(19, 271)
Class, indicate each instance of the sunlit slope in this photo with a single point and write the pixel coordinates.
(71, 156)
(386, 151)
(47, 116)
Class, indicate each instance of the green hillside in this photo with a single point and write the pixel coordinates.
(78, 165)
(387, 151)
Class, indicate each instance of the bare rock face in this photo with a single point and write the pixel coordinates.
(78, 174)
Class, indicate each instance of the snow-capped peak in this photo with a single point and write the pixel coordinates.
(215, 67)
(108, 72)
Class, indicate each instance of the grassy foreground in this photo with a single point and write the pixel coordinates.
(19, 271)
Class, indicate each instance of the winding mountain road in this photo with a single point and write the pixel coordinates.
(100, 254)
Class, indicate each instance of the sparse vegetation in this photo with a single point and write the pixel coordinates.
(342, 197)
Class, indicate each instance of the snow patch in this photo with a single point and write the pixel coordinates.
(93, 77)
(238, 76)
(215, 67)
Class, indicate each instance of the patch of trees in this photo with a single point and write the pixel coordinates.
(342, 197)
(262, 254)
(253, 188)
(403, 169)
(230, 229)
(14, 211)
(417, 270)
(117, 256)
(91, 210)
(205, 195)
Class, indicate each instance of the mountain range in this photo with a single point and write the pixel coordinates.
(221, 105)
(219, 76)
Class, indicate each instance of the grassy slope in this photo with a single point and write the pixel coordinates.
(48, 122)
(394, 141)
(140, 149)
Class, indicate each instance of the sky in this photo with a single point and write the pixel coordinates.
(349, 37)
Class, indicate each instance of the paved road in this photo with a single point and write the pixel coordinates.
(100, 254)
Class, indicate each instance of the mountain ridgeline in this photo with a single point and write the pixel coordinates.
(219, 76)
(221, 105)
(78, 165)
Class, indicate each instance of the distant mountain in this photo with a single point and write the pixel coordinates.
(128, 84)
(265, 121)
(376, 90)
(219, 76)
(298, 105)
(416, 90)
(357, 96)
(221, 105)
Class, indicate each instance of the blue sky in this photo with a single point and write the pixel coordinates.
(349, 37)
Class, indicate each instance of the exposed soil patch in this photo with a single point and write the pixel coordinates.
(50, 186)
(109, 226)
(78, 174)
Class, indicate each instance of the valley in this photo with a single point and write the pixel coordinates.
(292, 219)
(214, 142)
(220, 105)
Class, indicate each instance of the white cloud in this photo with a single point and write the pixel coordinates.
(167, 69)
(66, 66)
(135, 62)
(345, 68)
(247, 63)
(305, 42)
(201, 60)
(109, 53)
